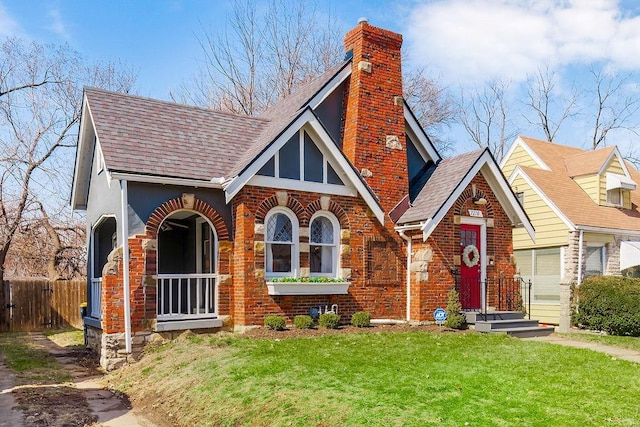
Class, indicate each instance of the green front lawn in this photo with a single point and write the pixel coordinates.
(384, 379)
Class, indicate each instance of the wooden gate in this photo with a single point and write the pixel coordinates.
(36, 305)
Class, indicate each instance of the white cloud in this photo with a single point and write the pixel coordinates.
(471, 41)
(8, 26)
(57, 25)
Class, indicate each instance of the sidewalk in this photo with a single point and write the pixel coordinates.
(111, 410)
(617, 352)
(9, 417)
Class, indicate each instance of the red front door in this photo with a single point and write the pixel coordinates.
(470, 266)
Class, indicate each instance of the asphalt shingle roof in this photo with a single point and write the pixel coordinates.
(151, 137)
(569, 197)
(440, 186)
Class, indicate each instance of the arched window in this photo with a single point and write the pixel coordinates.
(323, 245)
(281, 243)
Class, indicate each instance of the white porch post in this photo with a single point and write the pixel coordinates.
(124, 201)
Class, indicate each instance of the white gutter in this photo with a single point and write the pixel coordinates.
(580, 240)
(125, 264)
(603, 230)
(408, 240)
(123, 176)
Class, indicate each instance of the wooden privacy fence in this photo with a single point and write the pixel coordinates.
(39, 304)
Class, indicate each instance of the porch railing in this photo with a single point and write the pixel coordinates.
(186, 296)
(95, 308)
(503, 293)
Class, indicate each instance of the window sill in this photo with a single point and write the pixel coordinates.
(308, 288)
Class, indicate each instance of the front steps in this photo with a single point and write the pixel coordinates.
(510, 322)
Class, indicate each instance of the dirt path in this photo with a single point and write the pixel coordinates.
(84, 401)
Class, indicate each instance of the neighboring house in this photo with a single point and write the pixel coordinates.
(336, 183)
(584, 207)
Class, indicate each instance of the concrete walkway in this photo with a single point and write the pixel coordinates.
(617, 352)
(111, 410)
(10, 416)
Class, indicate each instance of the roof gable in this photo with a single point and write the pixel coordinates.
(571, 168)
(308, 121)
(447, 183)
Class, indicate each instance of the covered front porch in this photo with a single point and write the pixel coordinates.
(187, 280)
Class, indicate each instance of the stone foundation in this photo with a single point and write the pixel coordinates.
(111, 347)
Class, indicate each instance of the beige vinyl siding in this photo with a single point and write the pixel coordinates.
(518, 157)
(550, 230)
(614, 166)
(599, 238)
(546, 313)
(592, 184)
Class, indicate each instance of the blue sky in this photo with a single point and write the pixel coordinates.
(462, 42)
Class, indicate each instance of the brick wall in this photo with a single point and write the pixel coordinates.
(381, 295)
(374, 127)
(432, 292)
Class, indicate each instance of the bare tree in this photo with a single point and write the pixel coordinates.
(432, 104)
(41, 89)
(259, 58)
(265, 55)
(616, 107)
(550, 108)
(484, 117)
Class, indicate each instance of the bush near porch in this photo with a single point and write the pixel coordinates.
(610, 304)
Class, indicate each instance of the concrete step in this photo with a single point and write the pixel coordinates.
(500, 325)
(475, 316)
(531, 332)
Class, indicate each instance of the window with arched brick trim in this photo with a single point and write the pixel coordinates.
(324, 238)
(281, 243)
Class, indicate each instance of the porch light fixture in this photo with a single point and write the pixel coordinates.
(479, 200)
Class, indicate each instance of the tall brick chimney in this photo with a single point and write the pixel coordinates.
(374, 130)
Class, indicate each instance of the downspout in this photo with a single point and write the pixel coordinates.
(124, 201)
(580, 240)
(408, 240)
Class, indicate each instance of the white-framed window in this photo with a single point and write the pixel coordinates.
(324, 238)
(281, 243)
(544, 268)
(614, 197)
(594, 260)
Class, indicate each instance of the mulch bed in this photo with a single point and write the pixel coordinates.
(264, 333)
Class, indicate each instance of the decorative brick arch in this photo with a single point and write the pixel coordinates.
(292, 203)
(334, 208)
(199, 206)
(465, 201)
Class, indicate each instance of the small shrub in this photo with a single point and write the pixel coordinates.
(303, 322)
(277, 323)
(610, 304)
(455, 319)
(361, 319)
(329, 320)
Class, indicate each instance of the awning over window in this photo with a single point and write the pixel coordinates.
(629, 254)
(615, 180)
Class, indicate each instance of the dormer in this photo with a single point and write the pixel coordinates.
(603, 175)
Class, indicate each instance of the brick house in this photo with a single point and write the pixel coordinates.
(330, 189)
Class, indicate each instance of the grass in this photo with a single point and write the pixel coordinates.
(384, 379)
(66, 338)
(632, 343)
(32, 365)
